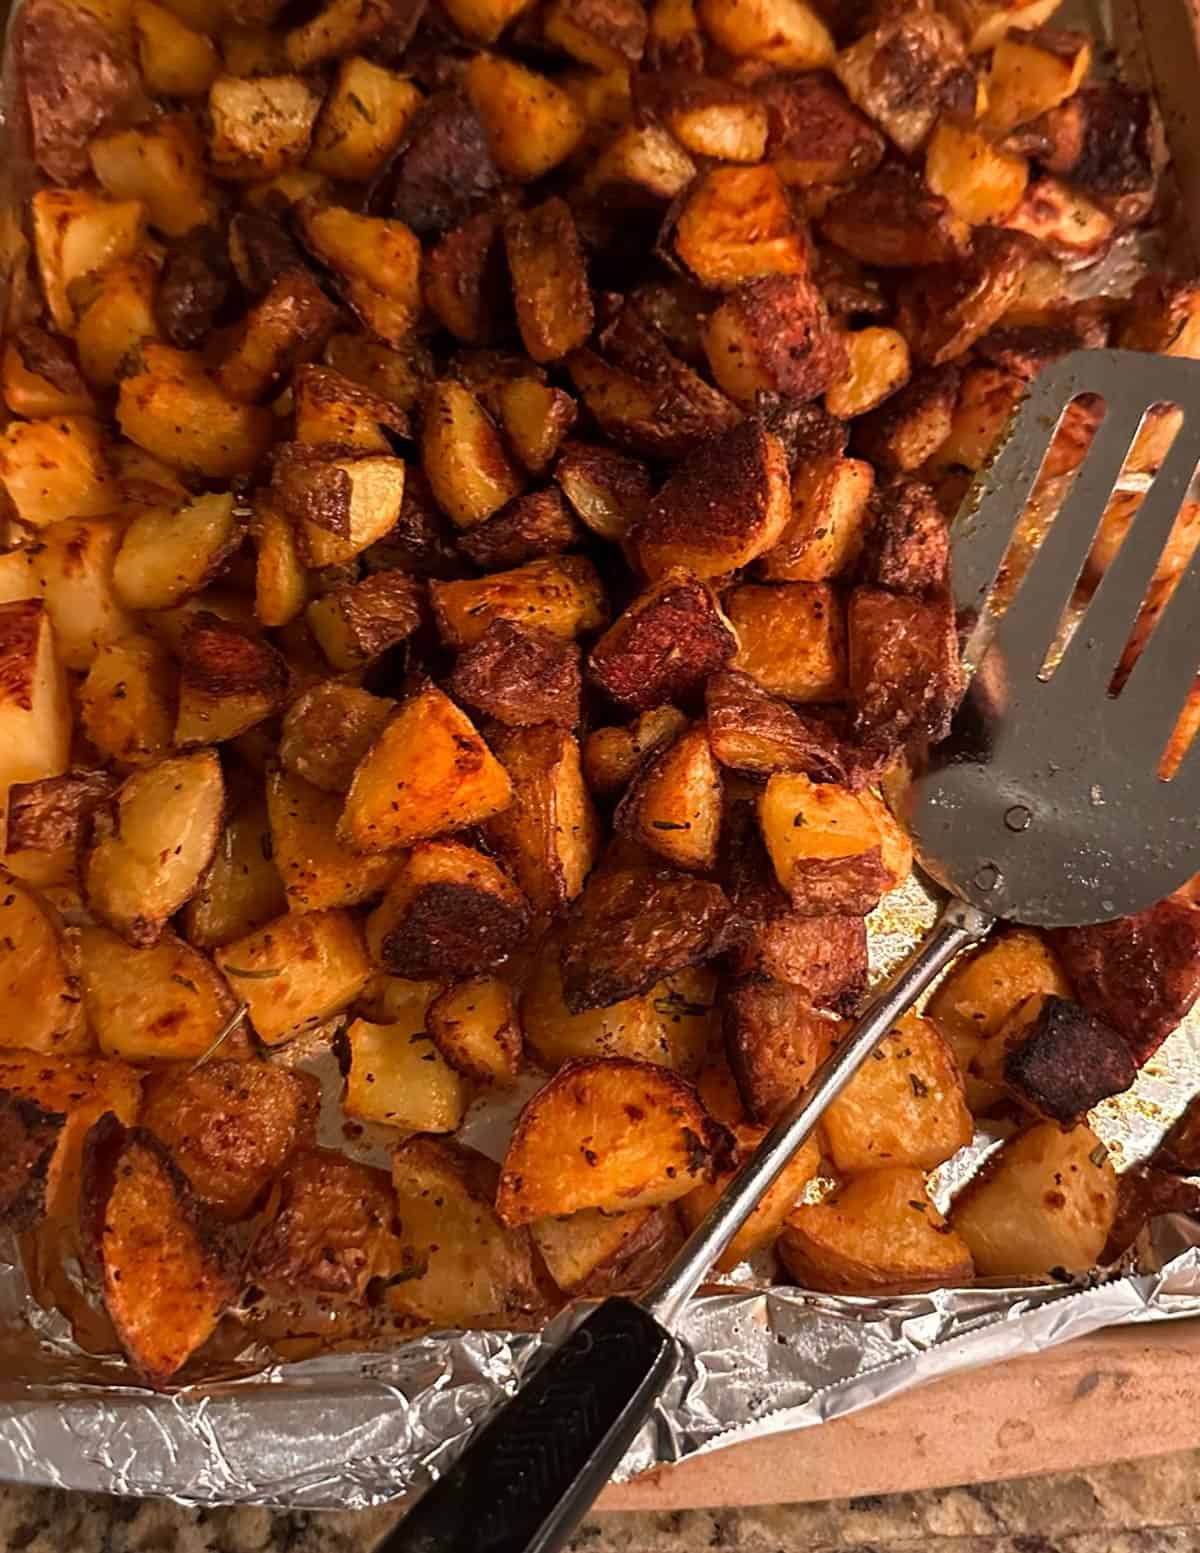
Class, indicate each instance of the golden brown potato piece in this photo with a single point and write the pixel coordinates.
(288, 326)
(1056, 1059)
(792, 639)
(363, 120)
(165, 1273)
(75, 234)
(633, 926)
(549, 278)
(128, 702)
(359, 622)
(327, 731)
(708, 117)
(980, 181)
(910, 427)
(945, 308)
(1032, 72)
(757, 733)
(774, 1040)
(332, 1232)
(532, 124)
(879, 364)
(474, 1025)
(774, 335)
(460, 1266)
(1042, 1206)
(665, 410)
(520, 676)
(173, 409)
(535, 418)
(666, 644)
(907, 547)
(449, 911)
(904, 1106)
(229, 679)
(35, 715)
(591, 1253)
(879, 1234)
(550, 835)
(986, 22)
(788, 35)
(260, 126)
(825, 844)
(331, 407)
(341, 501)
(318, 870)
(29, 1137)
(906, 71)
(817, 137)
(160, 164)
(241, 888)
(41, 376)
(536, 524)
(673, 805)
(427, 772)
(39, 986)
(1072, 227)
(823, 538)
(735, 225)
(1140, 974)
(231, 1126)
(296, 971)
(56, 469)
(166, 555)
(611, 756)
(904, 673)
(608, 1133)
(641, 168)
(397, 1077)
(463, 456)
(608, 491)
(559, 594)
(894, 219)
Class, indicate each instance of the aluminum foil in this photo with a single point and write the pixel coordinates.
(346, 1430)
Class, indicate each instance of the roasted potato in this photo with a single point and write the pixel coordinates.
(817, 137)
(907, 544)
(792, 639)
(611, 756)
(824, 535)
(55, 469)
(363, 120)
(789, 36)
(52, 814)
(35, 720)
(911, 426)
(757, 733)
(318, 870)
(128, 702)
(531, 123)
(903, 673)
(359, 622)
(296, 971)
(608, 491)
(825, 844)
(666, 644)
(30, 1137)
(774, 335)
(774, 1040)
(985, 23)
(39, 973)
(1056, 1059)
(340, 500)
(735, 225)
(475, 1027)
(230, 678)
(174, 409)
(559, 594)
(592, 1253)
(241, 888)
(165, 1002)
(905, 71)
(673, 805)
(520, 676)
(328, 729)
(894, 219)
(944, 309)
(397, 1077)
(528, 527)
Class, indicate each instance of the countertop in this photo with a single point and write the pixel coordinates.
(1146, 1506)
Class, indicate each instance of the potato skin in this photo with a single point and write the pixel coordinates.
(28, 1138)
(53, 812)
(907, 547)
(665, 645)
(1061, 1061)
(893, 219)
(520, 675)
(912, 425)
(774, 1040)
(444, 170)
(905, 678)
(755, 732)
(816, 134)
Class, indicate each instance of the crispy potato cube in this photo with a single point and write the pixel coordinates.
(363, 120)
(119, 316)
(378, 263)
(151, 845)
(165, 1276)
(127, 701)
(944, 309)
(331, 407)
(231, 1126)
(592, 1253)
(342, 501)
(165, 1002)
(879, 364)
(520, 676)
(446, 169)
(904, 1106)
(530, 526)
(460, 1266)
(296, 971)
(39, 984)
(448, 911)
(711, 118)
(531, 123)
(907, 547)
(611, 756)
(162, 165)
(825, 845)
(318, 870)
(1140, 974)
(1056, 1059)
(280, 583)
(774, 335)
(175, 59)
(878, 1234)
(726, 505)
(260, 125)
(666, 644)
(229, 679)
(397, 1077)
(427, 772)
(327, 731)
(35, 714)
(41, 377)
(603, 33)
(1042, 1206)
(535, 418)
(56, 469)
(673, 805)
(631, 927)
(981, 182)
(666, 413)
(241, 888)
(641, 166)
(28, 1140)
(549, 279)
(609, 491)
(358, 623)
(173, 409)
(474, 1026)
(894, 219)
(792, 639)
(559, 594)
(817, 137)
(757, 733)
(1072, 227)
(75, 235)
(986, 22)
(775, 1041)
(609, 1133)
(74, 566)
(463, 457)
(332, 1233)
(787, 34)
(168, 555)
(1032, 72)
(1163, 316)
(736, 225)
(824, 535)
(289, 325)
(904, 673)
(399, 375)
(905, 71)
(912, 426)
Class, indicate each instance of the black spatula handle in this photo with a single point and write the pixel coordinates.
(530, 1473)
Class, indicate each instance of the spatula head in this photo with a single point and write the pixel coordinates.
(1047, 804)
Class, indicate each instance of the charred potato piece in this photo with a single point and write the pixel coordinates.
(665, 413)
(288, 326)
(824, 535)
(641, 168)
(449, 911)
(817, 136)
(397, 1077)
(1139, 973)
(789, 36)
(774, 335)
(946, 308)
(559, 594)
(666, 644)
(1143, 1194)
(427, 772)
(549, 278)
(231, 1126)
(520, 676)
(229, 679)
(296, 971)
(327, 731)
(474, 1025)
(673, 805)
(913, 424)
(534, 525)
(633, 926)
(825, 844)
(612, 756)
(895, 220)
(592, 1253)
(792, 638)
(906, 71)
(1121, 151)
(358, 623)
(757, 733)
(241, 888)
(318, 870)
(165, 1274)
(904, 673)
(1042, 1206)
(603, 33)
(878, 1234)
(39, 984)
(29, 1137)
(608, 1133)
(1056, 1059)
(775, 1041)
(907, 547)
(1163, 316)
(735, 225)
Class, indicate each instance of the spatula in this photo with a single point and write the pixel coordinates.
(1043, 807)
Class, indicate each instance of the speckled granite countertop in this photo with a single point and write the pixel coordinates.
(1147, 1506)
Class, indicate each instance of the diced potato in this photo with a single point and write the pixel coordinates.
(341, 27)
(666, 644)
(39, 987)
(56, 469)
(774, 1041)
(818, 138)
(895, 220)
(593, 1253)
(608, 491)
(824, 536)
(474, 1025)
(463, 279)
(260, 126)
(668, 414)
(280, 584)
(296, 971)
(1056, 1059)
(482, 21)
(1042, 1206)
(331, 407)
(341, 502)
(364, 119)
(531, 123)
(715, 119)
(119, 316)
(560, 594)
(643, 164)
(398, 1077)
(1072, 227)
(286, 326)
(879, 1234)
(174, 410)
(904, 1106)
(463, 456)
(328, 730)
(127, 701)
(231, 1126)
(611, 756)
(605, 35)
(774, 335)
(987, 22)
(73, 564)
(49, 817)
(175, 59)
(904, 70)
(1031, 73)
(757, 733)
(358, 623)
(428, 772)
(40, 376)
(29, 1137)
(379, 262)
(165, 1278)
(787, 34)
(35, 713)
(535, 418)
(76, 234)
(318, 870)
(549, 279)
(825, 845)
(792, 639)
(607, 1133)
(879, 365)
(230, 678)
(150, 848)
(162, 165)
(167, 556)
(904, 672)
(980, 181)
(241, 889)
(673, 806)
(161, 1003)
(736, 224)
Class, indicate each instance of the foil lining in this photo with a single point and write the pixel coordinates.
(347, 1431)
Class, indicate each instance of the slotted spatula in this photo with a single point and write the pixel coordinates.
(1044, 807)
